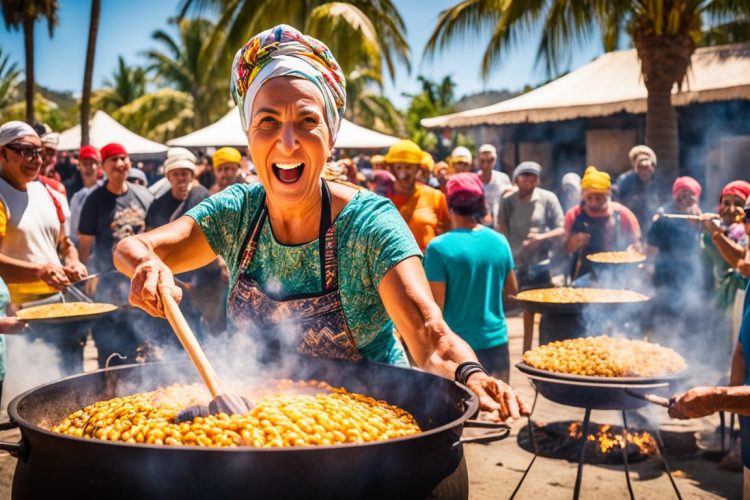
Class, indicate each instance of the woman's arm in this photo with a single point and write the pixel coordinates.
(435, 348)
(151, 258)
(438, 293)
(730, 251)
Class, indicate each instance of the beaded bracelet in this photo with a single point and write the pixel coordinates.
(466, 370)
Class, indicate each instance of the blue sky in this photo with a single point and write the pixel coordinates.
(126, 26)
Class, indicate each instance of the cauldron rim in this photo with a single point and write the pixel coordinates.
(471, 406)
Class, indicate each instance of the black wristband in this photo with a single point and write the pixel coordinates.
(467, 369)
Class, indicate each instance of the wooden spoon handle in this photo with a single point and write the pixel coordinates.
(190, 344)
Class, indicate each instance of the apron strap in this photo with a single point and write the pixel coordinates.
(327, 243)
(253, 235)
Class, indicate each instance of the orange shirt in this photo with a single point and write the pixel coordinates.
(425, 212)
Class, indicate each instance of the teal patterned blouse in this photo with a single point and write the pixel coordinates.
(372, 239)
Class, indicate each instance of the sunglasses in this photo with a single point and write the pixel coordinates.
(27, 152)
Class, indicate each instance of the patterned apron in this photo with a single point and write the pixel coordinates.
(314, 324)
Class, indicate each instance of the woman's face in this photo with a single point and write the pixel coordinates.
(731, 209)
(685, 199)
(289, 138)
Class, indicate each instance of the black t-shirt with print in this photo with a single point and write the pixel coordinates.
(167, 208)
(110, 218)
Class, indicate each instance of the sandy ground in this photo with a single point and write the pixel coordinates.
(495, 469)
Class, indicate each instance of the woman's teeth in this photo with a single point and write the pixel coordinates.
(287, 166)
(288, 173)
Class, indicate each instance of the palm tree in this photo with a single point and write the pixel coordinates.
(186, 66)
(126, 85)
(367, 106)
(88, 71)
(665, 34)
(24, 14)
(159, 115)
(9, 74)
(361, 33)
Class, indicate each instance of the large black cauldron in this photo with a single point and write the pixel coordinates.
(52, 465)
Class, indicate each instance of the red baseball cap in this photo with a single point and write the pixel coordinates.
(89, 152)
(464, 189)
(113, 149)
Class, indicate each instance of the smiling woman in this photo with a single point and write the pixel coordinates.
(334, 265)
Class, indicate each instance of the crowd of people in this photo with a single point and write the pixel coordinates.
(484, 235)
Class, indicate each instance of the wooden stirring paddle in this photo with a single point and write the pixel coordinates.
(221, 402)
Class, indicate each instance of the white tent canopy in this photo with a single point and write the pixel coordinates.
(610, 84)
(228, 132)
(104, 129)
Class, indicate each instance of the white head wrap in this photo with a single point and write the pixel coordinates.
(179, 158)
(11, 131)
(51, 140)
(572, 179)
(281, 65)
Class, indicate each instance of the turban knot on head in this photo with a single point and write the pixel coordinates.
(405, 151)
(686, 183)
(737, 188)
(284, 51)
(596, 180)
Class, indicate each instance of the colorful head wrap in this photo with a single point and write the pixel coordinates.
(13, 130)
(284, 51)
(226, 155)
(737, 188)
(686, 183)
(464, 190)
(595, 180)
(405, 151)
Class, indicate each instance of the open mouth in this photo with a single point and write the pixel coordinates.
(288, 173)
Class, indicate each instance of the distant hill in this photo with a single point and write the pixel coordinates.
(63, 100)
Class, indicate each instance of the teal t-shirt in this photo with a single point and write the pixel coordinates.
(372, 239)
(473, 264)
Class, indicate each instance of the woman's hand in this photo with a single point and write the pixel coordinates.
(148, 279)
(695, 403)
(75, 271)
(54, 275)
(496, 398)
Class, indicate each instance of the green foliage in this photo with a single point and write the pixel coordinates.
(9, 74)
(127, 84)
(435, 99)
(15, 12)
(361, 33)
(159, 115)
(367, 106)
(567, 24)
(185, 65)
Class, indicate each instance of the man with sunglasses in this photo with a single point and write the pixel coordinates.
(37, 258)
